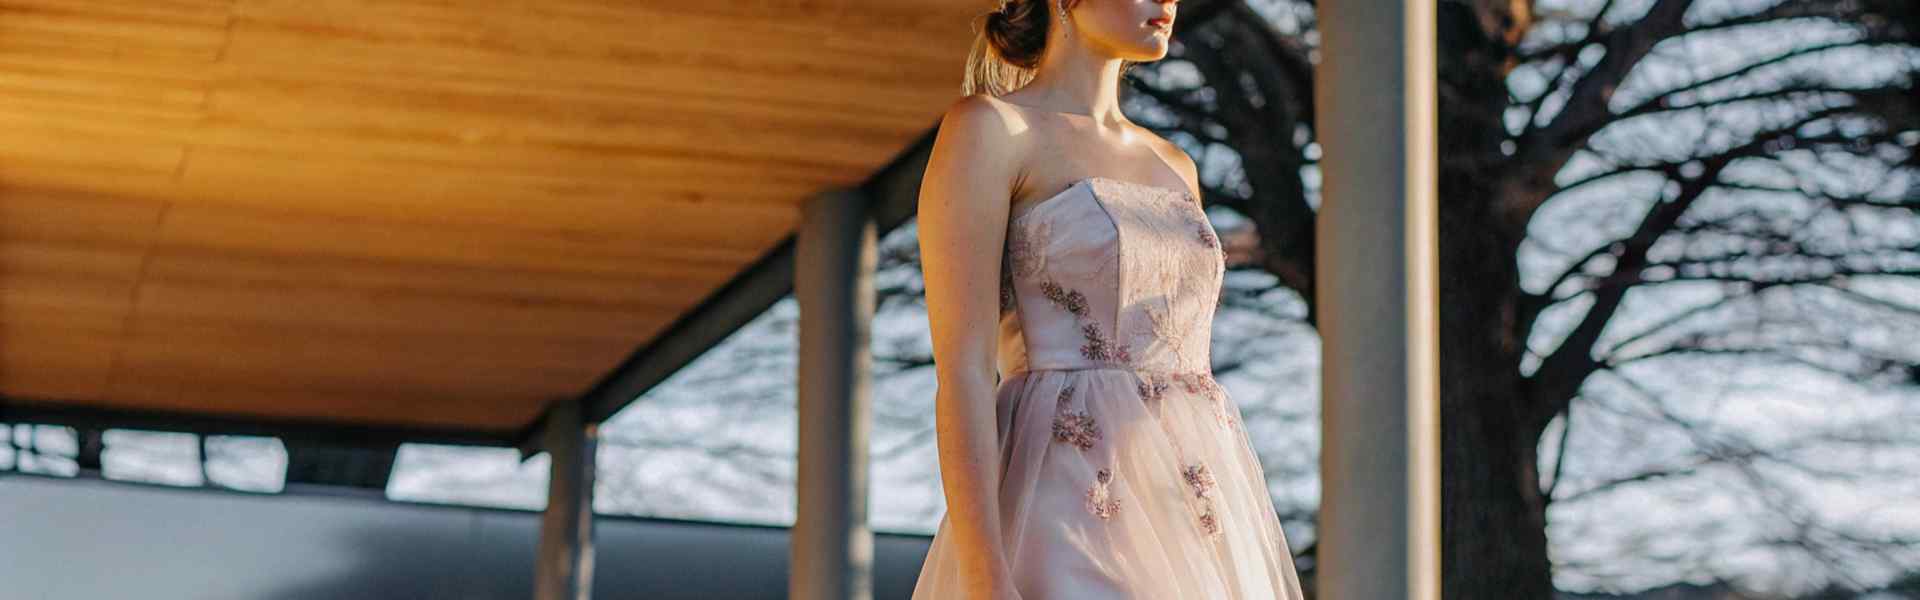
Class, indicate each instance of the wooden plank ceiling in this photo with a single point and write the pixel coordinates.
(422, 213)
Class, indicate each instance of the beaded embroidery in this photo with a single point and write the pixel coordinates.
(1209, 523)
(1195, 382)
(1077, 428)
(1070, 300)
(1152, 387)
(1100, 500)
(1200, 478)
(1203, 384)
(1098, 347)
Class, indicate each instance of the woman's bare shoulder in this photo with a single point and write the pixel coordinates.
(977, 141)
(981, 117)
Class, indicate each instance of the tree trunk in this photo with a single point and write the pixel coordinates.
(1493, 516)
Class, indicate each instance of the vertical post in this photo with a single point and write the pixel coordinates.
(834, 256)
(1377, 248)
(565, 560)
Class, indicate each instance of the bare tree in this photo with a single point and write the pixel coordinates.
(1701, 186)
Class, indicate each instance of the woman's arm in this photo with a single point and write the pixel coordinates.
(962, 226)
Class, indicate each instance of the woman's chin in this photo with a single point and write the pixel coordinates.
(1145, 49)
(1149, 52)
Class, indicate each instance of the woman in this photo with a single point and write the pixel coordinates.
(1105, 461)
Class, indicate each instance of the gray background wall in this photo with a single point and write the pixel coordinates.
(99, 540)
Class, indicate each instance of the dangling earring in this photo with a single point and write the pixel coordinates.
(1063, 18)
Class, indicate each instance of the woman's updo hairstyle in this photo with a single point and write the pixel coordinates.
(1007, 48)
(1018, 32)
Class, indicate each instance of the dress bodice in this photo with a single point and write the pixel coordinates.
(1110, 273)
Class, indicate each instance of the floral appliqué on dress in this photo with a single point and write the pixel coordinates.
(1202, 481)
(1202, 384)
(1199, 478)
(1100, 500)
(1098, 347)
(1077, 428)
(1152, 387)
(1209, 523)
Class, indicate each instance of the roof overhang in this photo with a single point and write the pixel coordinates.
(425, 222)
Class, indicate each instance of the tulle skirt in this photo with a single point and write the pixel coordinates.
(1124, 483)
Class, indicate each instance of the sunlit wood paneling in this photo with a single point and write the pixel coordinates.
(415, 213)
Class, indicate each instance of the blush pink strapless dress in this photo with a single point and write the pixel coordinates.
(1125, 472)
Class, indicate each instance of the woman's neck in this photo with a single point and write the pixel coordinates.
(1076, 81)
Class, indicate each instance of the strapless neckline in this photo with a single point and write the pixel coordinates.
(1087, 181)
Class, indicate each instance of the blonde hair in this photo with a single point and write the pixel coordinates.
(1007, 47)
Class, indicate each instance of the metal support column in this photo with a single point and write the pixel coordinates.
(565, 559)
(1378, 235)
(834, 257)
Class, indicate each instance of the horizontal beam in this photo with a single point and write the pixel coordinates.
(49, 412)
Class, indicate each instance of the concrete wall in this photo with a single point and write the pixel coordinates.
(66, 538)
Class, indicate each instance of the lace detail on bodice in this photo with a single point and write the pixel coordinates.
(1026, 250)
